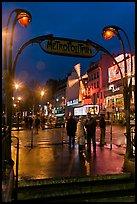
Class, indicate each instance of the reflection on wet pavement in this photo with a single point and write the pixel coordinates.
(48, 157)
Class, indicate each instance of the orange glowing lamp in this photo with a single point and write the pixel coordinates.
(24, 19)
(108, 34)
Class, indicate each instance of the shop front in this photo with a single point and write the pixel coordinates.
(115, 105)
(83, 110)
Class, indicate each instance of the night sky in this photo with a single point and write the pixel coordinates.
(74, 20)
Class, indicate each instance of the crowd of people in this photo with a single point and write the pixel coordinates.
(80, 131)
(32, 122)
(85, 130)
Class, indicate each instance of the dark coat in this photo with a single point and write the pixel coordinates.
(102, 122)
(71, 127)
(37, 122)
(90, 125)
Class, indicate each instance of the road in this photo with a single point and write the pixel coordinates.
(57, 135)
(47, 154)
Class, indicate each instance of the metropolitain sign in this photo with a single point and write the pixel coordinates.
(69, 47)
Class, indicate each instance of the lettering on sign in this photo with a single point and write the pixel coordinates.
(116, 89)
(72, 102)
(63, 46)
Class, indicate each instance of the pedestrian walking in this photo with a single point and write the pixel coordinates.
(26, 120)
(43, 120)
(81, 134)
(102, 125)
(90, 126)
(30, 121)
(71, 127)
(37, 123)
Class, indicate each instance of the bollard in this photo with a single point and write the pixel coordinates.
(62, 137)
(110, 135)
(32, 138)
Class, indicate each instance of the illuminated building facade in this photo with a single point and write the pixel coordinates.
(97, 83)
(114, 93)
(103, 90)
(72, 94)
(59, 101)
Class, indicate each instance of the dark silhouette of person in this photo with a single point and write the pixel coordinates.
(71, 127)
(102, 125)
(43, 120)
(30, 120)
(26, 120)
(37, 123)
(90, 126)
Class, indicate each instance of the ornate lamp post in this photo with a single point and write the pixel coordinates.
(108, 33)
(24, 18)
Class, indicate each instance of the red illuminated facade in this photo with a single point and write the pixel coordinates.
(104, 87)
(103, 90)
(97, 82)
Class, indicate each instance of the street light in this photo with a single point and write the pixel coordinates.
(42, 94)
(24, 18)
(108, 33)
(17, 85)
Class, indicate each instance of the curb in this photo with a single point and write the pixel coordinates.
(129, 166)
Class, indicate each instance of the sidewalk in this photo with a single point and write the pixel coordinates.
(56, 160)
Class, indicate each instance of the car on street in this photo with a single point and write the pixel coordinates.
(60, 122)
(50, 122)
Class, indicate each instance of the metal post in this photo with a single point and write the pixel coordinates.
(110, 135)
(18, 121)
(8, 109)
(32, 137)
(126, 95)
(9, 72)
(17, 167)
(126, 88)
(62, 137)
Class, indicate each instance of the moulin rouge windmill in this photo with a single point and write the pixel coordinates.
(79, 79)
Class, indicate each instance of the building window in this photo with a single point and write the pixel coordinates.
(88, 91)
(94, 85)
(97, 74)
(97, 84)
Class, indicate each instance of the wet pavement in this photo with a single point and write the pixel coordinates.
(48, 155)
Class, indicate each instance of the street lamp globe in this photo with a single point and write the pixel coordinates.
(22, 16)
(24, 19)
(108, 33)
